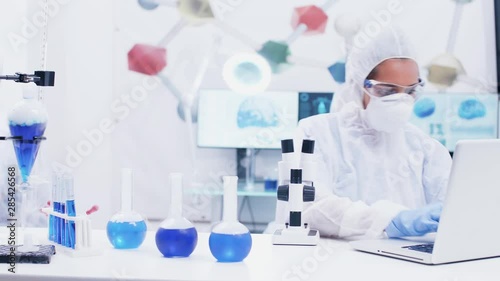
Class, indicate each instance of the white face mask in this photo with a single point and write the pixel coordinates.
(390, 113)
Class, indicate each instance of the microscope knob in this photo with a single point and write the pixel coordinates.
(283, 193)
(308, 193)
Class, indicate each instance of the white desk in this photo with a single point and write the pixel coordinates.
(331, 260)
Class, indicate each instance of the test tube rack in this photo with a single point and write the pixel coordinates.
(83, 234)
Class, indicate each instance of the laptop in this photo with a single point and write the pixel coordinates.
(469, 226)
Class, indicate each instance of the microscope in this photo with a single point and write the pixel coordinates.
(296, 187)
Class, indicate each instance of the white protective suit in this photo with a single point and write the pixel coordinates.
(367, 177)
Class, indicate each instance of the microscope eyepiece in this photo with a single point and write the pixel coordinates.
(287, 146)
(308, 146)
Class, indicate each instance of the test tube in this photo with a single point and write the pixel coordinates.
(57, 208)
(62, 210)
(79, 233)
(52, 218)
(70, 209)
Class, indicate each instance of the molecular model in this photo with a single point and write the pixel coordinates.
(446, 69)
(245, 72)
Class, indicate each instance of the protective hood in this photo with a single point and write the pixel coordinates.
(367, 52)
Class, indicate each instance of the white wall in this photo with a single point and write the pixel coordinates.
(88, 44)
(11, 60)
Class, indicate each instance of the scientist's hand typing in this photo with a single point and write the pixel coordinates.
(415, 222)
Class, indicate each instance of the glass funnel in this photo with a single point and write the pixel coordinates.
(27, 123)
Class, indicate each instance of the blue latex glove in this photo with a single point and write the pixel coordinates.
(415, 222)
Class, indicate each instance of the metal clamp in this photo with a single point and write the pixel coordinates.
(40, 78)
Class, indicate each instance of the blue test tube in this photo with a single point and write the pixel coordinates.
(62, 210)
(51, 217)
(70, 210)
(57, 208)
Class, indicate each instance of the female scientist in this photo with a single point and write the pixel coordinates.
(378, 175)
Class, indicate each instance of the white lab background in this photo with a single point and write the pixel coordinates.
(88, 45)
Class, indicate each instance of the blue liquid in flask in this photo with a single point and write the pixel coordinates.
(27, 148)
(126, 235)
(230, 247)
(176, 242)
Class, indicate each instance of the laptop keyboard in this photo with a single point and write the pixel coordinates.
(426, 248)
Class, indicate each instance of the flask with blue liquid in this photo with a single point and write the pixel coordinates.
(230, 241)
(126, 229)
(176, 236)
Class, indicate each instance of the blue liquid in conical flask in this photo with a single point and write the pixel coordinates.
(230, 247)
(176, 242)
(26, 149)
(126, 235)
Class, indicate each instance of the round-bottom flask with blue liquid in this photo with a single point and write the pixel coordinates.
(230, 241)
(176, 236)
(126, 229)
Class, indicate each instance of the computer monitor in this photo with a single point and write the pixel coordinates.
(231, 120)
(227, 119)
(452, 117)
(313, 103)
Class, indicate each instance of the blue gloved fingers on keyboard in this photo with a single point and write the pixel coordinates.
(435, 212)
(423, 227)
(415, 222)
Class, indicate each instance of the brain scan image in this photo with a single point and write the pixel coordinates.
(471, 109)
(424, 107)
(257, 112)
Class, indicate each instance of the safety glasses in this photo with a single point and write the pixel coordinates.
(382, 89)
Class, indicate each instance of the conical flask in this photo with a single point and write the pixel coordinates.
(176, 236)
(230, 241)
(27, 123)
(126, 229)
